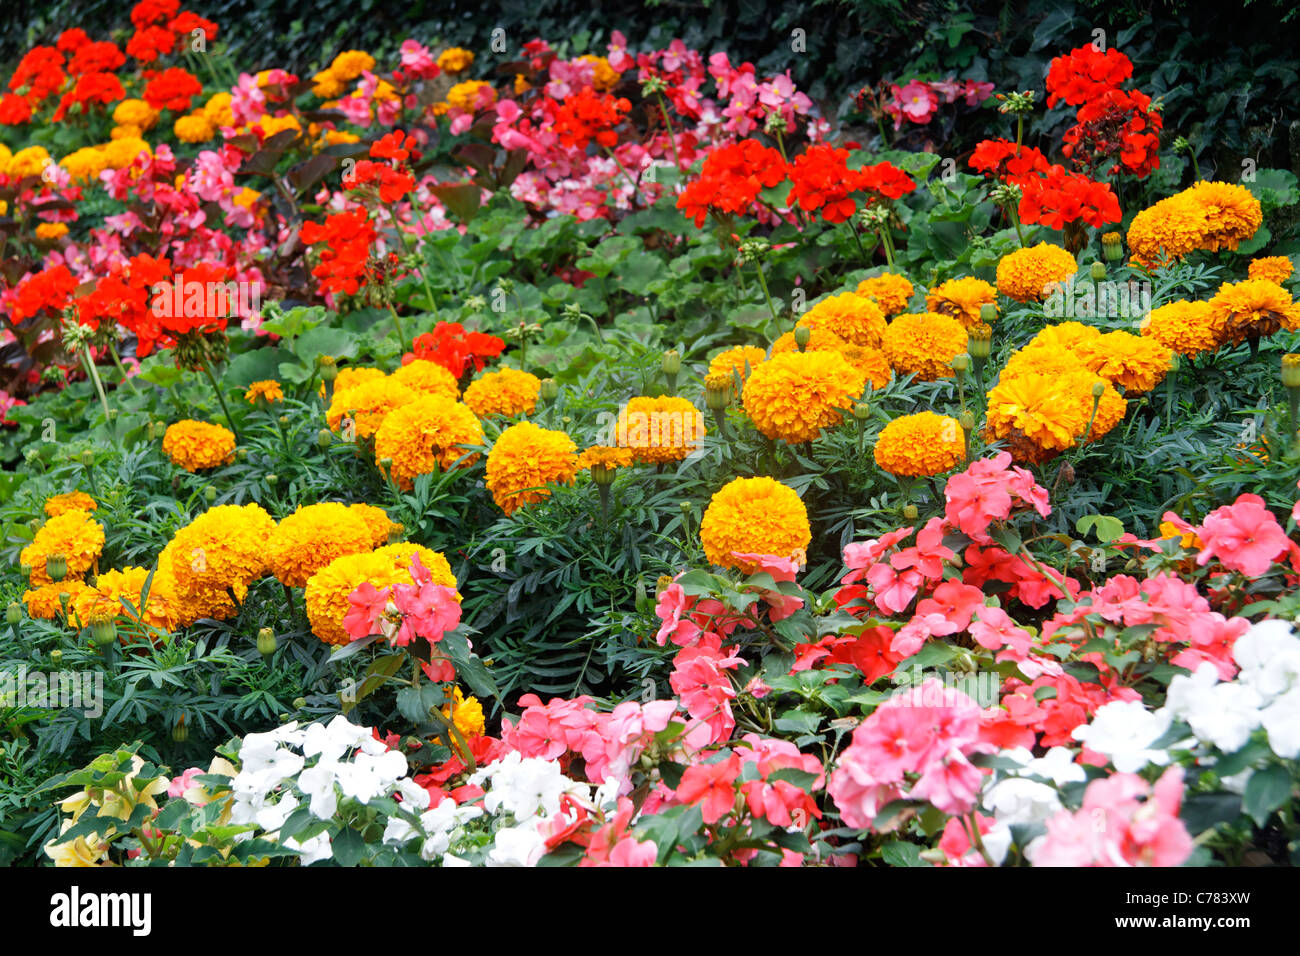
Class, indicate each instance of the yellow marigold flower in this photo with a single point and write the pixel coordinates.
(354, 375)
(426, 435)
(754, 516)
(56, 505)
(521, 84)
(793, 396)
(194, 128)
(428, 377)
(268, 389)
(124, 132)
(1168, 230)
(328, 85)
(190, 605)
(85, 164)
(270, 125)
(1188, 328)
(218, 109)
(1232, 213)
(371, 401)
(1136, 364)
(73, 534)
(524, 459)
(962, 299)
(891, 292)
(137, 113)
(1039, 416)
(376, 519)
(925, 344)
(49, 231)
(195, 446)
(327, 590)
(43, 602)
(27, 162)
(1042, 360)
(606, 456)
(1273, 268)
(224, 546)
(120, 153)
(873, 363)
(663, 429)
(856, 319)
(1028, 275)
(506, 392)
(920, 445)
(465, 95)
(466, 714)
(312, 537)
(246, 197)
(5, 155)
(455, 60)
(1070, 336)
(350, 64)
(604, 77)
(1252, 309)
(333, 137)
(104, 600)
(1191, 540)
(727, 365)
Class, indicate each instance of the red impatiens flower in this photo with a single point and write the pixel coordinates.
(172, 89)
(72, 39)
(189, 21)
(1084, 74)
(588, 115)
(731, 179)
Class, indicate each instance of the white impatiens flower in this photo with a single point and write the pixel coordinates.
(1057, 765)
(1124, 731)
(997, 842)
(1281, 719)
(1015, 801)
(1269, 657)
(1222, 714)
(312, 849)
(517, 846)
(272, 817)
(367, 776)
(318, 783)
(526, 787)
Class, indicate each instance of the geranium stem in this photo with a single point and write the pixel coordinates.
(762, 281)
(221, 399)
(94, 377)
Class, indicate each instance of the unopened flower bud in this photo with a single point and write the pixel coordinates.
(14, 612)
(56, 566)
(988, 313)
(299, 703)
(717, 398)
(385, 464)
(324, 438)
(103, 632)
(602, 474)
(910, 512)
(549, 391)
(209, 494)
(960, 363)
(861, 411)
(1098, 271)
(88, 457)
(672, 362)
(802, 336)
(1098, 389)
(1291, 370)
(980, 342)
(284, 421)
(241, 454)
(328, 369)
(685, 506)
(266, 643)
(1112, 246)
(967, 420)
(56, 657)
(181, 733)
(272, 480)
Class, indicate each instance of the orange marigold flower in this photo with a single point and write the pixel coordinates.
(312, 537)
(196, 446)
(268, 390)
(507, 392)
(1252, 309)
(924, 344)
(1029, 275)
(425, 435)
(962, 299)
(891, 292)
(74, 535)
(754, 516)
(72, 501)
(920, 445)
(794, 395)
(524, 459)
(855, 318)
(1188, 328)
(428, 377)
(606, 456)
(726, 366)
(1273, 268)
(369, 403)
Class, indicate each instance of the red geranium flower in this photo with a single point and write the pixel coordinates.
(172, 89)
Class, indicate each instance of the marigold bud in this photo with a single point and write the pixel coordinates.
(549, 391)
(1291, 370)
(988, 313)
(910, 512)
(266, 642)
(960, 363)
(967, 420)
(1098, 271)
(299, 703)
(1098, 389)
(324, 438)
(180, 733)
(980, 342)
(717, 398)
(103, 632)
(602, 474)
(861, 411)
(802, 336)
(14, 612)
(209, 494)
(56, 657)
(272, 480)
(56, 566)
(672, 362)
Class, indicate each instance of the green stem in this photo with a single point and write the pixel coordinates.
(117, 361)
(99, 385)
(672, 139)
(762, 281)
(636, 192)
(207, 370)
(397, 225)
(401, 336)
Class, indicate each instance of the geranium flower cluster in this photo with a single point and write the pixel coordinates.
(1113, 125)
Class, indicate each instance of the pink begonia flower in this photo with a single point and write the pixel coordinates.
(247, 101)
(916, 101)
(418, 61)
(616, 52)
(1243, 535)
(356, 109)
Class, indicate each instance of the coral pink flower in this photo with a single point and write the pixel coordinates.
(1243, 535)
(713, 786)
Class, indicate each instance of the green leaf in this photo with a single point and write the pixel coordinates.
(901, 853)
(255, 366)
(1266, 790)
(338, 343)
(349, 847)
(1107, 527)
